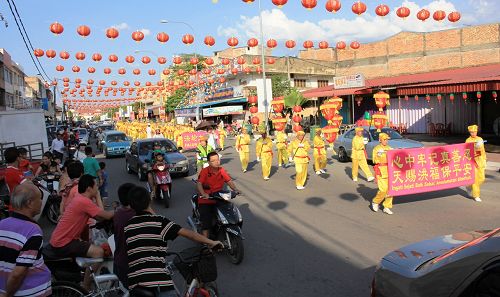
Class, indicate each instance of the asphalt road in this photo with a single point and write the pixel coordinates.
(324, 240)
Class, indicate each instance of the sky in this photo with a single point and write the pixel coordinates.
(221, 20)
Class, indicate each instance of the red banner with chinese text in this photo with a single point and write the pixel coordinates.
(420, 170)
(191, 140)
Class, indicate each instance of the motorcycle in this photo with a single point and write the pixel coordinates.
(163, 182)
(227, 228)
(49, 186)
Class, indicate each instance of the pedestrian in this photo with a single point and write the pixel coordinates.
(319, 153)
(103, 188)
(264, 152)
(480, 162)
(299, 153)
(91, 165)
(80, 153)
(282, 148)
(148, 131)
(122, 215)
(211, 139)
(158, 134)
(380, 160)
(22, 269)
(359, 155)
(147, 235)
(243, 148)
(13, 175)
(57, 148)
(69, 190)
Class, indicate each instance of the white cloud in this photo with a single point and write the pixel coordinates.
(228, 32)
(146, 32)
(367, 27)
(483, 11)
(121, 26)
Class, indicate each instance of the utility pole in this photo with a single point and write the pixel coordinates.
(55, 106)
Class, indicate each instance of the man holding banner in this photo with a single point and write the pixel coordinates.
(358, 156)
(480, 161)
(381, 173)
(243, 148)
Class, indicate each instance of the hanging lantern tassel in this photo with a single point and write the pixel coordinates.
(464, 96)
(478, 96)
(452, 97)
(494, 94)
(439, 98)
(428, 98)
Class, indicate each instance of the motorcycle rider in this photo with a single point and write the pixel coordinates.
(211, 180)
(72, 146)
(157, 157)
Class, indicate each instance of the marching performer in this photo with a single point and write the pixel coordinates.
(222, 137)
(242, 147)
(299, 153)
(319, 153)
(358, 156)
(380, 161)
(281, 146)
(480, 159)
(264, 152)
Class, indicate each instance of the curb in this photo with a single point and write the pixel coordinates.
(495, 166)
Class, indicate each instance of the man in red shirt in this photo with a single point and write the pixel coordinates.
(211, 180)
(13, 175)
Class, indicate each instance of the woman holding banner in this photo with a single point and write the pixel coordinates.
(480, 159)
(381, 173)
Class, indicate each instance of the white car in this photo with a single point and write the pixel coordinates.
(83, 135)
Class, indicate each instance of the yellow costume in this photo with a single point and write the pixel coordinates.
(264, 152)
(319, 154)
(380, 160)
(222, 137)
(281, 146)
(299, 151)
(480, 158)
(243, 148)
(358, 157)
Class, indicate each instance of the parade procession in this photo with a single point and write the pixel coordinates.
(250, 148)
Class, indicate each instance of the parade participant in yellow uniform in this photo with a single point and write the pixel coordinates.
(358, 156)
(299, 153)
(264, 152)
(243, 148)
(380, 161)
(222, 137)
(281, 146)
(319, 153)
(480, 159)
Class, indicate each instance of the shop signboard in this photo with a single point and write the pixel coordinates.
(349, 81)
(185, 112)
(222, 110)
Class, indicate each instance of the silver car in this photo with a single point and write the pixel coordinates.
(343, 143)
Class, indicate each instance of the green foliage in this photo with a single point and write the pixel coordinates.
(281, 85)
(294, 97)
(174, 100)
(136, 106)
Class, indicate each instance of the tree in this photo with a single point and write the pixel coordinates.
(294, 97)
(173, 101)
(281, 85)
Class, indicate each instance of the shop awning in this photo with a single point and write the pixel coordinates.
(329, 91)
(452, 86)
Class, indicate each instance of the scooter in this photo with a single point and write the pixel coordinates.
(49, 186)
(163, 182)
(227, 228)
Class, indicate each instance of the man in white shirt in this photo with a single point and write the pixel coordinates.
(158, 134)
(80, 153)
(57, 146)
(211, 139)
(148, 131)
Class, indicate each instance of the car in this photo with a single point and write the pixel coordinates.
(343, 144)
(135, 158)
(463, 264)
(83, 135)
(106, 127)
(115, 143)
(51, 133)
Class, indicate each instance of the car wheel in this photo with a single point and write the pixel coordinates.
(105, 154)
(127, 166)
(342, 156)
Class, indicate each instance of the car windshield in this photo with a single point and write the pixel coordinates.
(82, 131)
(392, 133)
(116, 138)
(146, 147)
(106, 128)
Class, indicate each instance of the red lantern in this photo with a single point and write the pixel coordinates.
(97, 57)
(75, 69)
(252, 42)
(406, 98)
(439, 97)
(252, 99)
(177, 60)
(403, 12)
(80, 56)
(309, 4)
(454, 17)
(50, 53)
(494, 95)
(379, 120)
(146, 60)
(341, 45)
(122, 71)
(222, 80)
(206, 71)
(308, 44)
(323, 45)
(188, 39)
(209, 61)
(113, 58)
(271, 60)
(255, 120)
(331, 107)
(256, 61)
(192, 71)
(247, 70)
(162, 37)
(290, 44)
(241, 61)
(126, 83)
(359, 100)
(83, 31)
(355, 45)
(221, 71)
(102, 82)
(358, 8)
(129, 59)
(162, 60)
(90, 81)
(225, 61)
(234, 71)
(193, 61)
(297, 128)
(137, 36)
(382, 10)
(271, 43)
(232, 42)
(66, 79)
(181, 72)
(136, 83)
(478, 96)
(279, 123)
(297, 108)
(278, 104)
(209, 41)
(64, 55)
(333, 5)
(439, 15)
(280, 3)
(464, 96)
(112, 33)
(56, 28)
(428, 98)
(423, 15)
(330, 132)
(60, 68)
(248, 1)
(91, 70)
(166, 71)
(253, 109)
(39, 52)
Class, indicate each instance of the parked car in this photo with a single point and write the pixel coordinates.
(135, 158)
(343, 143)
(115, 143)
(462, 265)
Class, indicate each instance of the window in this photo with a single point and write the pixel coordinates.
(299, 83)
(322, 83)
(350, 134)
